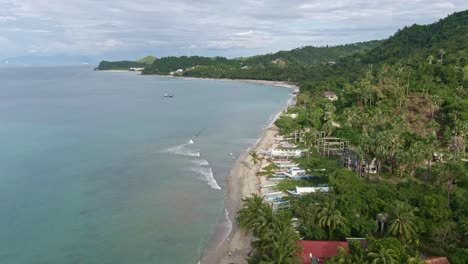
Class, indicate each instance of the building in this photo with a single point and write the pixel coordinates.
(316, 252)
(437, 260)
(306, 190)
(331, 96)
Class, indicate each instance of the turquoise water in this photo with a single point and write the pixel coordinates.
(98, 167)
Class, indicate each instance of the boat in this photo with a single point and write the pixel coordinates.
(168, 95)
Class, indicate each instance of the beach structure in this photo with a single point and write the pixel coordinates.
(316, 252)
(177, 72)
(371, 167)
(330, 96)
(349, 159)
(136, 69)
(306, 190)
(330, 146)
(298, 136)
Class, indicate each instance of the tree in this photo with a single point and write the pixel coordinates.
(382, 218)
(430, 58)
(383, 255)
(255, 215)
(255, 157)
(279, 243)
(442, 53)
(402, 225)
(329, 217)
(341, 258)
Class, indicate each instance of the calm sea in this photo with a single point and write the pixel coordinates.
(99, 167)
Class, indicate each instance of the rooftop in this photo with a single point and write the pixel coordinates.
(321, 250)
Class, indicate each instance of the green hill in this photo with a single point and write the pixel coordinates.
(305, 56)
(119, 65)
(147, 60)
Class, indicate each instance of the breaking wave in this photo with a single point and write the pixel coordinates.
(201, 162)
(208, 176)
(183, 150)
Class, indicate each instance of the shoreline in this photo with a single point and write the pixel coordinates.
(242, 182)
(261, 82)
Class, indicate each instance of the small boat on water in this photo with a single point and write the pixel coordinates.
(168, 95)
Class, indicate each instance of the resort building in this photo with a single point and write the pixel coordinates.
(331, 96)
(316, 252)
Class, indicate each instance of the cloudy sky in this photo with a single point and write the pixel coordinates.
(117, 29)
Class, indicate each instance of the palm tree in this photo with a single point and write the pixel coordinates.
(255, 157)
(435, 103)
(442, 53)
(254, 215)
(341, 258)
(309, 140)
(280, 242)
(383, 256)
(430, 58)
(402, 223)
(329, 217)
(382, 218)
(416, 260)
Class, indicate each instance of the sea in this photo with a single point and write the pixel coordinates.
(101, 168)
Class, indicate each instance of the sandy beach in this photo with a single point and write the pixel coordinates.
(262, 82)
(242, 182)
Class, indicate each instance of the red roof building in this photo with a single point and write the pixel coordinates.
(439, 260)
(321, 250)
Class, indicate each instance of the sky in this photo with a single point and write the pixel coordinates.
(130, 29)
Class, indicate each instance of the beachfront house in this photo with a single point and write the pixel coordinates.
(331, 96)
(136, 69)
(178, 72)
(317, 252)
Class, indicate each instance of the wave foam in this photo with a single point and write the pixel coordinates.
(183, 150)
(201, 162)
(208, 176)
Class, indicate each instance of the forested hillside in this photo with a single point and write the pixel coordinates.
(403, 108)
(308, 55)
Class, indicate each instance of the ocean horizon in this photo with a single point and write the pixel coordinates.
(100, 167)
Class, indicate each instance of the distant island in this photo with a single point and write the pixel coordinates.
(369, 166)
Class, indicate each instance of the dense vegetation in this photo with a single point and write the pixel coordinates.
(399, 104)
(147, 60)
(251, 67)
(119, 65)
(283, 65)
(125, 65)
(400, 101)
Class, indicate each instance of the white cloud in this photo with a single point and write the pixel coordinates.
(165, 27)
